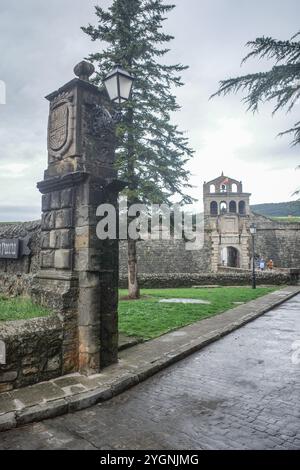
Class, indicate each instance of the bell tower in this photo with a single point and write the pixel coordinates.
(227, 213)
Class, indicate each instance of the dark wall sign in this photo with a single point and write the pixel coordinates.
(9, 248)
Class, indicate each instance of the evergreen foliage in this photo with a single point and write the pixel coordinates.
(152, 152)
(280, 84)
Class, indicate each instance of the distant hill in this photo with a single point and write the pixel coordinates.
(278, 209)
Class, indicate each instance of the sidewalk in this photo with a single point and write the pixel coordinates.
(74, 392)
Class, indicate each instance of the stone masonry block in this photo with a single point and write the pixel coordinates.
(89, 339)
(46, 202)
(47, 259)
(89, 279)
(64, 218)
(82, 215)
(48, 221)
(82, 235)
(66, 198)
(8, 376)
(86, 215)
(63, 259)
(45, 240)
(89, 306)
(88, 259)
(65, 239)
(54, 239)
(54, 363)
(61, 239)
(55, 200)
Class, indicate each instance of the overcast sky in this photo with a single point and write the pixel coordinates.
(41, 41)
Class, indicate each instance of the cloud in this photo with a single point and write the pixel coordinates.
(40, 43)
(19, 213)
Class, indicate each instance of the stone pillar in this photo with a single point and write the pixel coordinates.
(79, 273)
(246, 248)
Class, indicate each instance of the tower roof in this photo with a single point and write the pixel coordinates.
(223, 179)
(224, 185)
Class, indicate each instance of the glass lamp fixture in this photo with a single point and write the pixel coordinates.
(253, 229)
(118, 84)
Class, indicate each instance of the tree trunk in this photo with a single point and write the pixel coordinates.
(133, 287)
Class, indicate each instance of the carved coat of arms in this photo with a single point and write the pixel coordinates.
(58, 127)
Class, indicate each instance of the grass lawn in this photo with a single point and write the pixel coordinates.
(290, 219)
(147, 318)
(9, 223)
(20, 308)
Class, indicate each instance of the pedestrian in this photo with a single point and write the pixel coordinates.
(262, 264)
(270, 264)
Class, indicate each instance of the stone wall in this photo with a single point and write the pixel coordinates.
(279, 241)
(12, 285)
(16, 275)
(276, 240)
(166, 256)
(160, 281)
(26, 264)
(33, 351)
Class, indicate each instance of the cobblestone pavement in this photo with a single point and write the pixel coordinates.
(241, 392)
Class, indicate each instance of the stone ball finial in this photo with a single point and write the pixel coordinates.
(84, 70)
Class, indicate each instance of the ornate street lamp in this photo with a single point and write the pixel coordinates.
(118, 84)
(253, 230)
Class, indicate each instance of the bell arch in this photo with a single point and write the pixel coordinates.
(223, 207)
(214, 208)
(242, 208)
(232, 207)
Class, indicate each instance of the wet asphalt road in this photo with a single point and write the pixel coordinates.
(242, 392)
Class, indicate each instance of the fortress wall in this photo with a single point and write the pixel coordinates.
(160, 281)
(167, 257)
(278, 241)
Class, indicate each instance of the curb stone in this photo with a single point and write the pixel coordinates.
(41, 412)
(87, 399)
(136, 364)
(8, 421)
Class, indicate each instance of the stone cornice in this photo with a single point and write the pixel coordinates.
(72, 84)
(57, 183)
